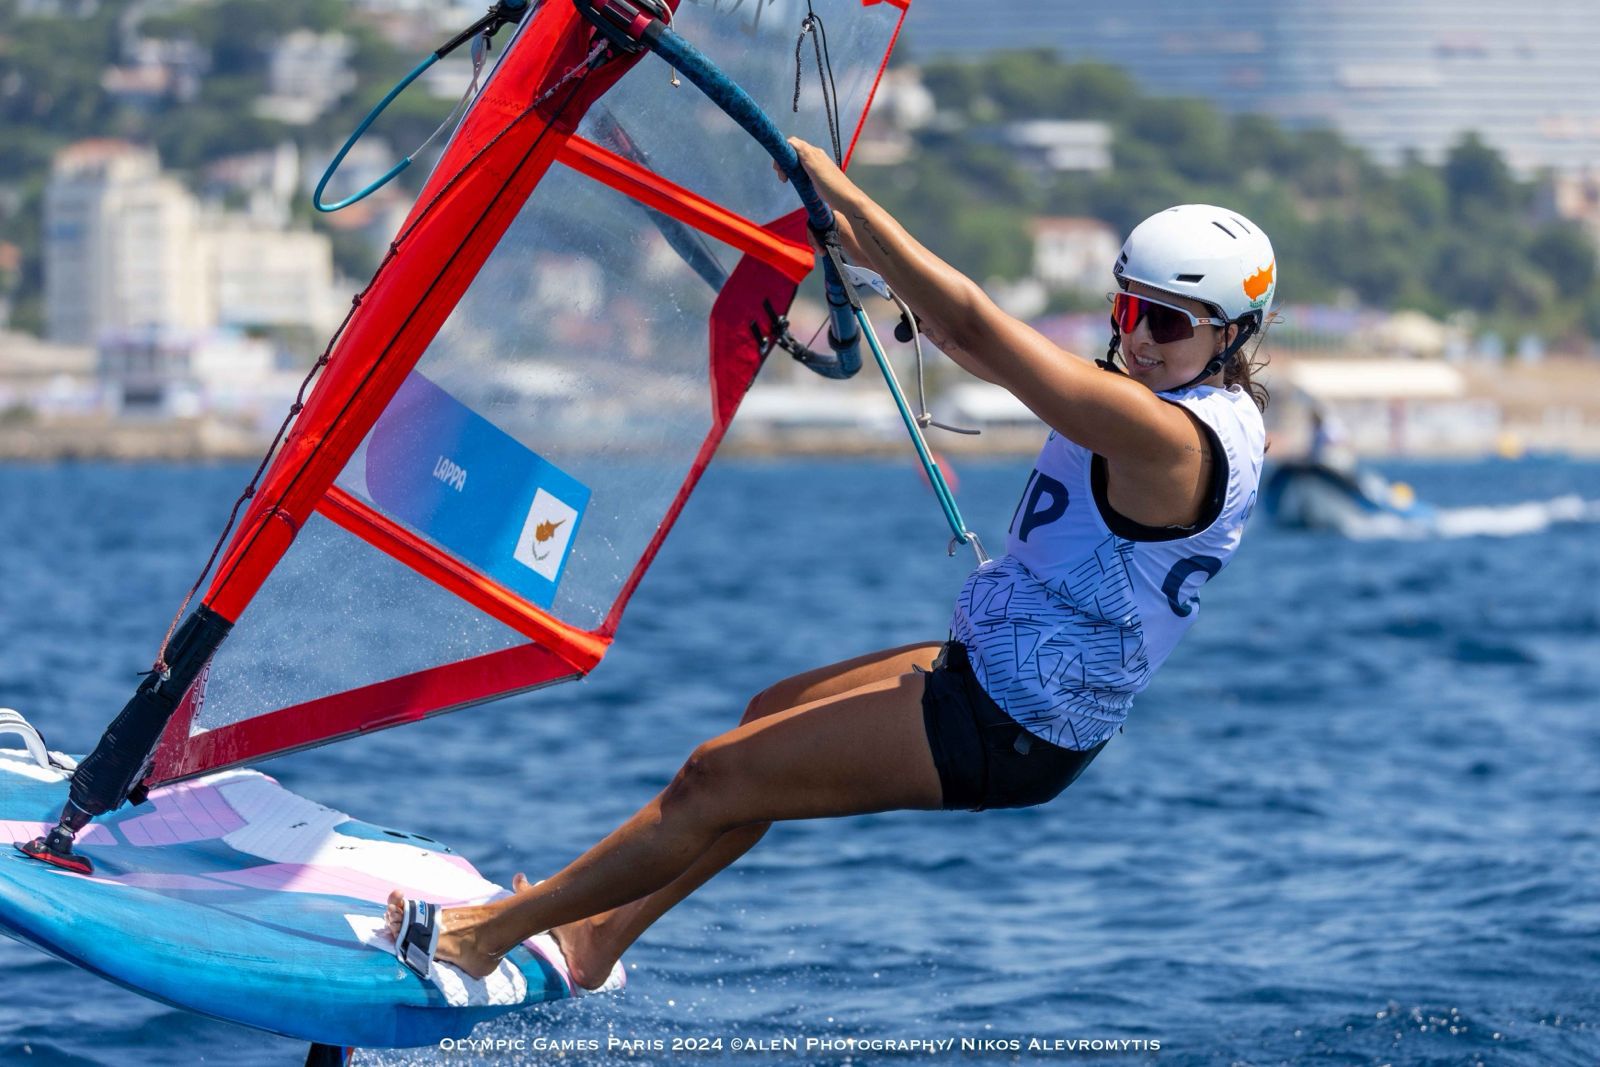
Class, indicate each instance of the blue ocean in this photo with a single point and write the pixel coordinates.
(1355, 820)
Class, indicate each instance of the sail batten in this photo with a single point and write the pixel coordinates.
(381, 705)
(578, 647)
(793, 259)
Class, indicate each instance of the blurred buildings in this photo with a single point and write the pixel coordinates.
(119, 238)
(1075, 253)
(901, 104)
(126, 246)
(166, 288)
(1053, 146)
(154, 70)
(163, 302)
(307, 74)
(40, 378)
(1392, 76)
(1574, 197)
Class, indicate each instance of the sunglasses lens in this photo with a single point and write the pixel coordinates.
(1166, 324)
(1127, 311)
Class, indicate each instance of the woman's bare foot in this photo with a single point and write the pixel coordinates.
(464, 938)
(588, 961)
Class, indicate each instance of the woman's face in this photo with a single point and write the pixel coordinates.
(1167, 366)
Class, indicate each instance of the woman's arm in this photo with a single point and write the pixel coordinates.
(1109, 414)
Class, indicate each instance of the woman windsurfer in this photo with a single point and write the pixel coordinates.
(1139, 496)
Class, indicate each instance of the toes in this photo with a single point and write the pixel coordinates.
(519, 882)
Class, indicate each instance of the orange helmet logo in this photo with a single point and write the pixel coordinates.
(1257, 285)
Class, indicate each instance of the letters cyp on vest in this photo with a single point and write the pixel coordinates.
(1044, 500)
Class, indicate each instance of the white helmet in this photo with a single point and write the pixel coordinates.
(1207, 253)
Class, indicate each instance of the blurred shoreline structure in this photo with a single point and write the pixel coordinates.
(128, 247)
(224, 397)
(1395, 78)
(181, 330)
(180, 314)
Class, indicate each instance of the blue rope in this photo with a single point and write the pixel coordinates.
(372, 116)
(941, 488)
(503, 13)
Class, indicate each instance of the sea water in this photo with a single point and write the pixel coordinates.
(1354, 819)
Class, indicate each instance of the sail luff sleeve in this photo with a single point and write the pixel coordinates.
(107, 775)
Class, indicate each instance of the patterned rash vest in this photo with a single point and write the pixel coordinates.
(1074, 619)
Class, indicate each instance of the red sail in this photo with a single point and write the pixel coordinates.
(526, 394)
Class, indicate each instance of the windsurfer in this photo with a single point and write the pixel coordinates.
(1140, 495)
(1329, 442)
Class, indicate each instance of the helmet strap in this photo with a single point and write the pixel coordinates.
(1247, 330)
(1110, 362)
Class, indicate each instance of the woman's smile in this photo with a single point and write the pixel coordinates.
(1144, 362)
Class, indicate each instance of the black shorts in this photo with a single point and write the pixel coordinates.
(985, 758)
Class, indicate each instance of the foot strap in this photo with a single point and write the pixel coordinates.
(418, 939)
(12, 722)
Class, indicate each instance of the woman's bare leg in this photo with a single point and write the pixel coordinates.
(861, 751)
(593, 945)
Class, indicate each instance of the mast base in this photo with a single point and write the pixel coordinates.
(55, 848)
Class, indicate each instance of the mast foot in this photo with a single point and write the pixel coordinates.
(55, 848)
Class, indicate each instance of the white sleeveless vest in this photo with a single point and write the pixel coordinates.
(1074, 619)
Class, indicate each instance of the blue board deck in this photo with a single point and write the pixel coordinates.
(232, 897)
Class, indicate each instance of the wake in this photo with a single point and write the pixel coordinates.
(1501, 520)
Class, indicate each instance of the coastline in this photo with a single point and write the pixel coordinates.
(1545, 407)
(86, 437)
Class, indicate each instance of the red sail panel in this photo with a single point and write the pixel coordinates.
(527, 394)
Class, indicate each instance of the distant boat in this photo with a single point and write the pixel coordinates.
(1314, 496)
